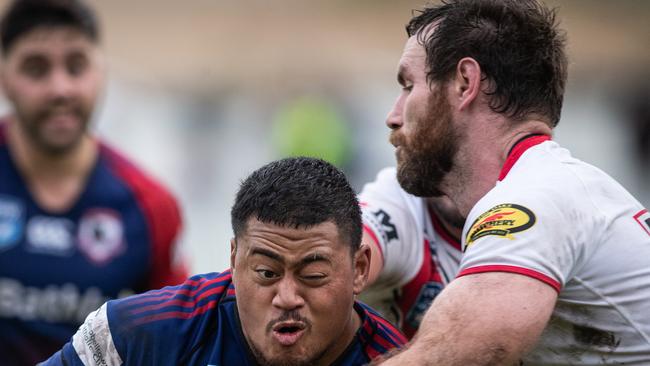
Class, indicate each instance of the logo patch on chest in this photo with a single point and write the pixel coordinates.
(101, 235)
(11, 222)
(501, 220)
(50, 235)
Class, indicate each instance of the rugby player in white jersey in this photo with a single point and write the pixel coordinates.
(556, 262)
(415, 245)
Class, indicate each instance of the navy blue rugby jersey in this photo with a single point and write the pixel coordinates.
(195, 323)
(117, 238)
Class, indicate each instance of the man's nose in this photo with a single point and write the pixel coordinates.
(394, 120)
(288, 295)
(61, 84)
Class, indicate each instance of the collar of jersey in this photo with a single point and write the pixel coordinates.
(518, 149)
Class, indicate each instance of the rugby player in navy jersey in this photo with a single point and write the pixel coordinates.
(297, 264)
(79, 223)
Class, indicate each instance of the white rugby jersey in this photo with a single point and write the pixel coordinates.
(419, 256)
(568, 224)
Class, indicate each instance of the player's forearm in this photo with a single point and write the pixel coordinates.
(486, 319)
(452, 347)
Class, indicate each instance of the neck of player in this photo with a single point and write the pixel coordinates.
(347, 337)
(54, 180)
(480, 160)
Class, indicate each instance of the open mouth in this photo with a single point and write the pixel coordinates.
(288, 333)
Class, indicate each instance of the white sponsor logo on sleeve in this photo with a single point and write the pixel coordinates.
(94, 342)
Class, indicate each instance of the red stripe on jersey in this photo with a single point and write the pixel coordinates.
(189, 292)
(374, 238)
(513, 269)
(178, 314)
(179, 302)
(518, 150)
(162, 215)
(376, 339)
(440, 229)
(636, 218)
(369, 349)
(371, 352)
(382, 342)
(396, 337)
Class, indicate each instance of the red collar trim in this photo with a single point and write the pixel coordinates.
(440, 230)
(518, 150)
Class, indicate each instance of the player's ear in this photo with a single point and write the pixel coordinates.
(467, 82)
(361, 268)
(233, 251)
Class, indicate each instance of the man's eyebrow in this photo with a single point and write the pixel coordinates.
(400, 75)
(267, 253)
(314, 257)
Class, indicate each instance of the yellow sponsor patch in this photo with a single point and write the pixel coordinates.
(502, 220)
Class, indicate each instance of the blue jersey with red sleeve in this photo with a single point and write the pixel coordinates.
(195, 323)
(116, 239)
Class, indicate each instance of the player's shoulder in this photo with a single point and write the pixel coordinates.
(171, 320)
(543, 175)
(377, 335)
(141, 182)
(190, 299)
(546, 167)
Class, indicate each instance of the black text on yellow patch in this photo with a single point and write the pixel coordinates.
(502, 220)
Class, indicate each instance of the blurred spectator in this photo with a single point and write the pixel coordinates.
(78, 222)
(312, 127)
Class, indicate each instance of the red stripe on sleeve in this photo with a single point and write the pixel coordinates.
(374, 238)
(186, 289)
(513, 269)
(637, 219)
(397, 336)
(162, 215)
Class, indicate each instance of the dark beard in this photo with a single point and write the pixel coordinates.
(425, 163)
(31, 126)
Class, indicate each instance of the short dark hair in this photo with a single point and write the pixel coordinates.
(22, 16)
(299, 192)
(516, 42)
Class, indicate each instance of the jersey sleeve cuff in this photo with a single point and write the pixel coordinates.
(513, 269)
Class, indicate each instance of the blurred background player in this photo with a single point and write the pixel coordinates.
(415, 244)
(297, 264)
(78, 222)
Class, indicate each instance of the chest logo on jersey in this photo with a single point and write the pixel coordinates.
(501, 220)
(101, 235)
(11, 222)
(50, 235)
